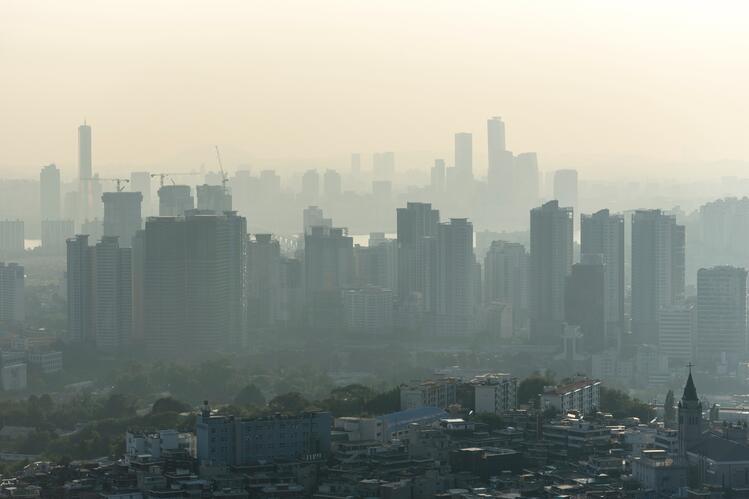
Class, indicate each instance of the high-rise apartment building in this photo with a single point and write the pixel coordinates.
(175, 200)
(49, 193)
(550, 263)
(12, 281)
(11, 237)
(55, 233)
(417, 256)
(312, 216)
(565, 188)
(437, 177)
(310, 186)
(264, 282)
(332, 184)
(141, 182)
(214, 198)
(113, 295)
(677, 326)
(122, 216)
(525, 182)
(585, 302)
(80, 289)
(657, 270)
(456, 295)
(86, 188)
(506, 279)
(464, 155)
(721, 315)
(602, 233)
(328, 269)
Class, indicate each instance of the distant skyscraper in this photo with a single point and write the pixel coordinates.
(189, 284)
(417, 256)
(264, 282)
(175, 200)
(55, 234)
(657, 270)
(495, 131)
(464, 155)
(355, 163)
(141, 182)
(49, 193)
(525, 182)
(85, 173)
(550, 263)
(676, 333)
(310, 185)
(500, 175)
(12, 237)
(721, 316)
(438, 176)
(332, 184)
(565, 187)
(214, 198)
(506, 279)
(383, 165)
(585, 302)
(113, 294)
(455, 277)
(312, 216)
(12, 299)
(270, 184)
(328, 269)
(80, 284)
(603, 234)
(122, 216)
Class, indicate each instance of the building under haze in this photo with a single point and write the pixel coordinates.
(191, 270)
(12, 299)
(602, 233)
(585, 302)
(141, 182)
(12, 237)
(456, 295)
(80, 289)
(313, 216)
(506, 280)
(264, 282)
(331, 184)
(383, 165)
(49, 193)
(175, 200)
(438, 177)
(310, 186)
(55, 233)
(122, 216)
(112, 295)
(328, 270)
(565, 188)
(464, 156)
(550, 263)
(214, 198)
(86, 185)
(721, 316)
(657, 270)
(417, 257)
(500, 171)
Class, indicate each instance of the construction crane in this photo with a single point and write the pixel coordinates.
(120, 181)
(224, 178)
(163, 175)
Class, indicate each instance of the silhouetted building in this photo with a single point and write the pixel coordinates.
(12, 300)
(122, 215)
(49, 193)
(677, 326)
(312, 216)
(657, 270)
(603, 234)
(417, 256)
(113, 295)
(141, 182)
(525, 182)
(368, 310)
(506, 279)
(86, 189)
(721, 316)
(214, 198)
(264, 282)
(550, 263)
(54, 235)
(565, 187)
(437, 177)
(456, 296)
(310, 186)
(464, 155)
(80, 292)
(331, 184)
(175, 200)
(12, 235)
(585, 302)
(328, 269)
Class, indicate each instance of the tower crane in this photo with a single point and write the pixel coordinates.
(120, 181)
(224, 178)
(163, 175)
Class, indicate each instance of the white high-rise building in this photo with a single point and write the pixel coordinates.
(495, 393)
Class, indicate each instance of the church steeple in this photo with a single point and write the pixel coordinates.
(690, 416)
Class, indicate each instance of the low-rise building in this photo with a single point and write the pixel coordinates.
(660, 472)
(47, 362)
(582, 396)
(495, 393)
(439, 393)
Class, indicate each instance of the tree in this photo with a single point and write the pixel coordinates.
(118, 405)
(250, 395)
(669, 411)
(621, 405)
(533, 386)
(169, 404)
(289, 403)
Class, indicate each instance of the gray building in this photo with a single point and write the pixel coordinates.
(54, 235)
(80, 289)
(86, 184)
(12, 237)
(585, 302)
(456, 275)
(113, 295)
(12, 280)
(122, 216)
(437, 177)
(175, 200)
(141, 182)
(310, 186)
(565, 188)
(331, 184)
(264, 281)
(550, 263)
(506, 279)
(213, 198)
(721, 315)
(49, 193)
(602, 233)
(657, 270)
(328, 270)
(417, 256)
(464, 155)
(233, 441)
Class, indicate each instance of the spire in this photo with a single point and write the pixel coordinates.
(690, 392)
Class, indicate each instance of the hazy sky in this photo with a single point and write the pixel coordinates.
(596, 85)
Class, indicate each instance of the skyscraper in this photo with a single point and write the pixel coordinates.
(657, 270)
(85, 173)
(721, 315)
(603, 234)
(525, 181)
(331, 184)
(80, 284)
(189, 286)
(214, 198)
(455, 277)
(122, 216)
(565, 187)
(55, 234)
(310, 186)
(438, 173)
(12, 234)
(328, 269)
(263, 281)
(141, 182)
(585, 302)
(417, 255)
(312, 216)
(113, 294)
(175, 200)
(12, 280)
(500, 174)
(550, 263)
(506, 279)
(49, 193)
(464, 155)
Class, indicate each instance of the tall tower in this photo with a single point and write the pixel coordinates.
(417, 262)
(690, 416)
(464, 155)
(455, 271)
(175, 200)
(49, 192)
(122, 215)
(565, 187)
(85, 172)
